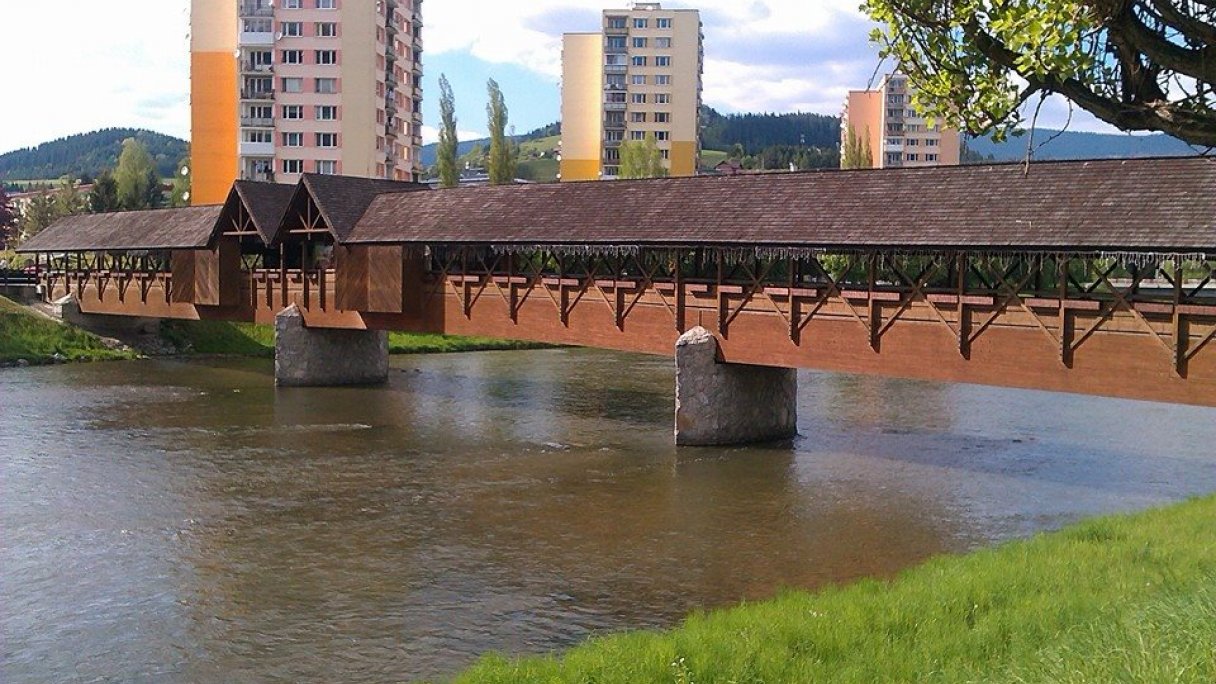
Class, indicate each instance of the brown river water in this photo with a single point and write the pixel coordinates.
(186, 522)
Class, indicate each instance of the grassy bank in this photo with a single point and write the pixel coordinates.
(244, 339)
(25, 336)
(1123, 599)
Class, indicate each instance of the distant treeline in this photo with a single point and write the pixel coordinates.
(755, 132)
(88, 154)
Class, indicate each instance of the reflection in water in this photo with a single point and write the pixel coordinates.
(188, 522)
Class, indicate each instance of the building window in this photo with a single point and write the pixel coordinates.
(259, 136)
(292, 56)
(913, 142)
(662, 98)
(326, 4)
(895, 112)
(293, 112)
(293, 4)
(327, 139)
(913, 157)
(662, 23)
(638, 98)
(293, 140)
(327, 29)
(616, 22)
(612, 154)
(327, 86)
(327, 56)
(666, 154)
(327, 113)
(293, 29)
(638, 79)
(662, 117)
(637, 117)
(264, 112)
(930, 157)
(327, 167)
(662, 135)
(662, 42)
(641, 23)
(615, 42)
(638, 61)
(637, 135)
(293, 85)
(612, 171)
(258, 25)
(640, 42)
(662, 79)
(614, 136)
(931, 142)
(293, 166)
(662, 61)
(616, 98)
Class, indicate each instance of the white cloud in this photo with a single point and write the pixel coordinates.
(76, 66)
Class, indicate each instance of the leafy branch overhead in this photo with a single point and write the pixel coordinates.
(1147, 65)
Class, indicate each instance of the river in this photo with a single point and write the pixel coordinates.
(185, 521)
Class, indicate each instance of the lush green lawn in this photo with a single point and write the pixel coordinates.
(1124, 599)
(244, 339)
(26, 336)
(711, 158)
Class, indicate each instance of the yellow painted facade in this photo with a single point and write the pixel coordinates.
(582, 98)
(580, 169)
(683, 158)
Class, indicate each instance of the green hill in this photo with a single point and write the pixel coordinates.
(89, 153)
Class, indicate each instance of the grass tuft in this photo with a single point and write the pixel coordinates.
(1119, 599)
(25, 336)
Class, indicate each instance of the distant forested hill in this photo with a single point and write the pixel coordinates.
(89, 153)
(755, 132)
(1074, 145)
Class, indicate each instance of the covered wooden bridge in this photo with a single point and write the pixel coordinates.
(1090, 277)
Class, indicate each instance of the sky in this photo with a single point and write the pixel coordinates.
(73, 66)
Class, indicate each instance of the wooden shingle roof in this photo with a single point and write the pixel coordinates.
(1153, 204)
(157, 229)
(266, 203)
(343, 199)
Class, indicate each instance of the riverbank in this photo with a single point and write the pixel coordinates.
(1127, 598)
(246, 339)
(27, 338)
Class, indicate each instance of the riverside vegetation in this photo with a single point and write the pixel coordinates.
(28, 338)
(1116, 599)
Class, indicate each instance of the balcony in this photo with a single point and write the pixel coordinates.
(253, 122)
(390, 78)
(252, 9)
(614, 125)
(615, 86)
(615, 106)
(250, 94)
(615, 68)
(257, 39)
(612, 142)
(251, 68)
(256, 149)
(260, 176)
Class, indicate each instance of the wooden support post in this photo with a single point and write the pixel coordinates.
(1182, 333)
(872, 305)
(283, 275)
(681, 297)
(1064, 323)
(964, 324)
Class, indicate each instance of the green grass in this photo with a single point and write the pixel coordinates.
(25, 336)
(246, 339)
(1121, 599)
(539, 146)
(711, 158)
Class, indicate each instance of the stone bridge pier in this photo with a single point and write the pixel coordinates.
(724, 403)
(315, 357)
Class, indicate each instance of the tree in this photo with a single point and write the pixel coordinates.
(68, 200)
(180, 196)
(8, 217)
(41, 211)
(856, 154)
(138, 181)
(504, 154)
(642, 158)
(449, 172)
(1135, 64)
(104, 198)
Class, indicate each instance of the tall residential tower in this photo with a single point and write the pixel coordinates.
(897, 135)
(639, 75)
(285, 87)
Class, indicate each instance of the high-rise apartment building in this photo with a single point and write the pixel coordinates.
(285, 87)
(897, 135)
(640, 75)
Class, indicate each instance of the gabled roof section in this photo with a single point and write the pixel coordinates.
(262, 204)
(1152, 204)
(157, 229)
(339, 200)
